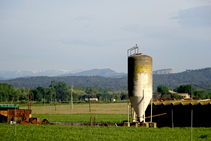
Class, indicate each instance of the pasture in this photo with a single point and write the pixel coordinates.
(109, 112)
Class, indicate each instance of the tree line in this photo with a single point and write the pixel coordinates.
(58, 91)
(190, 89)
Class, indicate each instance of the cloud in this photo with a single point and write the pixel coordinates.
(195, 17)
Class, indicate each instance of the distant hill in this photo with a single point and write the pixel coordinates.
(4, 74)
(199, 78)
(97, 72)
(78, 81)
(26, 73)
(163, 71)
(94, 72)
(2, 78)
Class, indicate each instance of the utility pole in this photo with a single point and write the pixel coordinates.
(71, 98)
(44, 97)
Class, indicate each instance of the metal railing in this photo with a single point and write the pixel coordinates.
(133, 51)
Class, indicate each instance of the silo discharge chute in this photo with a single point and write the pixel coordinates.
(139, 81)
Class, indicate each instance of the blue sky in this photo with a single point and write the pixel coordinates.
(83, 35)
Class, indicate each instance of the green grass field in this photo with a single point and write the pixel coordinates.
(114, 113)
(109, 118)
(54, 132)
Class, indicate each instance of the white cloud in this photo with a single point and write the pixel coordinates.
(195, 17)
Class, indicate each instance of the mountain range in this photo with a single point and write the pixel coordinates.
(200, 78)
(4, 74)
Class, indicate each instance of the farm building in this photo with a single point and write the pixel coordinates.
(178, 112)
(184, 95)
(93, 99)
(8, 112)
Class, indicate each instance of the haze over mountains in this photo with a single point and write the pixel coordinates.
(200, 78)
(94, 72)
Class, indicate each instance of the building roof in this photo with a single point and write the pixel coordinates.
(183, 94)
(8, 106)
(172, 92)
(184, 102)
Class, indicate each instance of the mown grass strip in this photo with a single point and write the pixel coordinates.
(110, 118)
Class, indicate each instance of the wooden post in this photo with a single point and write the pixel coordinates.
(89, 104)
(90, 121)
(151, 110)
(128, 118)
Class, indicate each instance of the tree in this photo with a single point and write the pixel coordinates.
(23, 94)
(162, 89)
(166, 96)
(61, 91)
(99, 96)
(75, 97)
(17, 95)
(7, 92)
(90, 90)
(184, 89)
(176, 96)
(36, 95)
(201, 94)
(209, 95)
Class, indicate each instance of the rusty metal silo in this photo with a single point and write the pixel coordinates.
(139, 81)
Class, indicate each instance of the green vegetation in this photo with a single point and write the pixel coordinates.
(114, 84)
(184, 89)
(109, 118)
(199, 78)
(197, 93)
(57, 92)
(54, 132)
(163, 90)
(110, 113)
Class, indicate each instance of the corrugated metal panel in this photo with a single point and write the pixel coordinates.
(157, 103)
(167, 103)
(184, 102)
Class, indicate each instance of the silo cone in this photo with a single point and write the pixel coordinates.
(140, 82)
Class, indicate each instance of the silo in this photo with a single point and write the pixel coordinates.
(139, 81)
